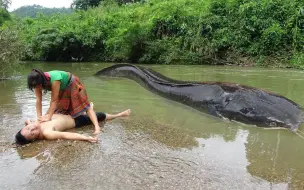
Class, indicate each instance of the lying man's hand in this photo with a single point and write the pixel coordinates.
(92, 139)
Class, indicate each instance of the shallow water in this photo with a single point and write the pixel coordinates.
(163, 145)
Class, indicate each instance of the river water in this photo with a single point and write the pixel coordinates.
(162, 145)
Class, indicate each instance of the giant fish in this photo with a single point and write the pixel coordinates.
(231, 101)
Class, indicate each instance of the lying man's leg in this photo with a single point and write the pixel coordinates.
(83, 120)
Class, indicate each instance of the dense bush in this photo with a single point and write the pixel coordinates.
(10, 50)
(10, 43)
(85, 4)
(176, 31)
(4, 16)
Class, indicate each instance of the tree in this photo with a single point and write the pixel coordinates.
(85, 4)
(4, 15)
(5, 4)
(10, 50)
(33, 10)
(121, 2)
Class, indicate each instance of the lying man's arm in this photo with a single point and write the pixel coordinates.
(54, 135)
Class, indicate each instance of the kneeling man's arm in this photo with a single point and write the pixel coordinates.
(54, 135)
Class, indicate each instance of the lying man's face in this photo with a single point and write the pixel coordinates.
(31, 131)
(28, 133)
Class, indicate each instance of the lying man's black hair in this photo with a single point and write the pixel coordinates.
(20, 139)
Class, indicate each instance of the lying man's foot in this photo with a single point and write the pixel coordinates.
(126, 113)
(92, 139)
(92, 105)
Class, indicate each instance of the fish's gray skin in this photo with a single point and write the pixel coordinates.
(225, 100)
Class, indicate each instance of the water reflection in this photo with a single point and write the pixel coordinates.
(15, 173)
(164, 145)
(276, 156)
(9, 109)
(163, 133)
(271, 154)
(35, 149)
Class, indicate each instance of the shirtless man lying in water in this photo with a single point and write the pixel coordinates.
(53, 130)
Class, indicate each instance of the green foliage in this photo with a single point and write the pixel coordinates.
(179, 31)
(4, 16)
(33, 11)
(10, 51)
(5, 4)
(85, 4)
(255, 28)
(62, 38)
(121, 2)
(298, 60)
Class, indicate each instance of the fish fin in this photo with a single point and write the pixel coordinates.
(213, 111)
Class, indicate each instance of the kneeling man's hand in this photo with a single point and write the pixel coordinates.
(44, 118)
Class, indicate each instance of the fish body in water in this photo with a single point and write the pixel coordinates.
(225, 100)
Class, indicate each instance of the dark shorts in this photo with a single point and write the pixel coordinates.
(84, 120)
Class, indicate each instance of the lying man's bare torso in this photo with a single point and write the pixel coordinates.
(59, 122)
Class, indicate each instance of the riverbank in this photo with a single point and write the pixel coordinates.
(263, 33)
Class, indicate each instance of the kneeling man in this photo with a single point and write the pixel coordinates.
(54, 129)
